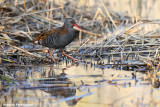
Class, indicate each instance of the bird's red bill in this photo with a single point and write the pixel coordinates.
(77, 26)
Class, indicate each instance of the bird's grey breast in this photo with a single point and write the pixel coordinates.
(66, 38)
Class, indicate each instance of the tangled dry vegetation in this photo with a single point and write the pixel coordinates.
(129, 42)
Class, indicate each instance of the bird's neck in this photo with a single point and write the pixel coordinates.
(69, 29)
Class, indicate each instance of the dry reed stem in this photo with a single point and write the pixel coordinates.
(2, 27)
(25, 51)
(153, 36)
(7, 39)
(11, 33)
(121, 33)
(108, 13)
(114, 77)
(90, 33)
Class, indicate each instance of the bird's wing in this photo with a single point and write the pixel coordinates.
(43, 35)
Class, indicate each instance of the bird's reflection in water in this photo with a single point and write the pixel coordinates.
(64, 88)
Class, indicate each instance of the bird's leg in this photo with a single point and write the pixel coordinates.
(69, 56)
(49, 51)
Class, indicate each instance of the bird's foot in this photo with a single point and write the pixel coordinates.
(76, 60)
(73, 59)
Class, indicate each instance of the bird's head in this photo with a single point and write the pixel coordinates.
(70, 23)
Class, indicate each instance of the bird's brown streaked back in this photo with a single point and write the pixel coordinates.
(42, 36)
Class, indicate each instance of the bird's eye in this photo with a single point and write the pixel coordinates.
(71, 22)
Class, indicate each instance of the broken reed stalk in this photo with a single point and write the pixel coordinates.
(9, 39)
(25, 51)
(114, 77)
(106, 10)
(153, 36)
(90, 33)
(12, 33)
(2, 27)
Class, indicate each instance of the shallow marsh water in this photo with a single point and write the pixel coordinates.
(63, 85)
